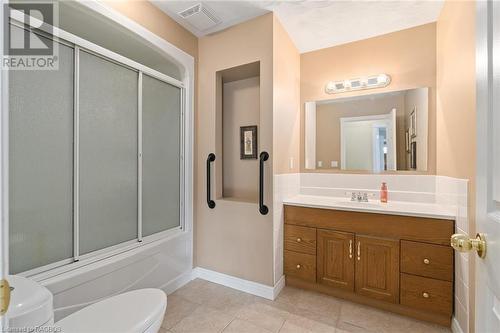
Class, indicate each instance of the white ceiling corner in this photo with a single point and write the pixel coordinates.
(316, 24)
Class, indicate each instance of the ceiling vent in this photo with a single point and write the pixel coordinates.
(200, 17)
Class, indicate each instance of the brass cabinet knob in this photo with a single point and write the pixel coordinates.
(427, 261)
(463, 243)
(425, 295)
(299, 240)
(298, 266)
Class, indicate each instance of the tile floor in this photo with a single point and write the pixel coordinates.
(202, 306)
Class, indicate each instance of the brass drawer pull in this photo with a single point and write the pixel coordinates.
(299, 240)
(298, 266)
(427, 261)
(359, 251)
(425, 295)
(350, 249)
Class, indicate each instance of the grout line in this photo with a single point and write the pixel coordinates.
(283, 324)
(223, 329)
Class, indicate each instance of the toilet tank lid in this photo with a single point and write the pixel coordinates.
(133, 311)
(30, 302)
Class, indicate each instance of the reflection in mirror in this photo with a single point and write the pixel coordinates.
(375, 132)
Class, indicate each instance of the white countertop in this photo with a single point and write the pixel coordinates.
(417, 209)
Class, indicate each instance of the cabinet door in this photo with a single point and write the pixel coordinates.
(377, 268)
(335, 259)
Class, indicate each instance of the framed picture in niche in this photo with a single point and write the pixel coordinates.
(248, 142)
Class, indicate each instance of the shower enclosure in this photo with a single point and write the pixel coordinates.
(100, 160)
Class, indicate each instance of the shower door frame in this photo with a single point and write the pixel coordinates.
(186, 63)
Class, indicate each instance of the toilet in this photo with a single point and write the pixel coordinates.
(137, 311)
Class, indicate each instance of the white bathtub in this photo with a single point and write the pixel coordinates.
(164, 264)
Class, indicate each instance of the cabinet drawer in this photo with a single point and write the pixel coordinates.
(300, 265)
(434, 261)
(300, 239)
(426, 294)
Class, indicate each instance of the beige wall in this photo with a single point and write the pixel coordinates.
(286, 100)
(456, 106)
(240, 108)
(153, 19)
(408, 56)
(234, 238)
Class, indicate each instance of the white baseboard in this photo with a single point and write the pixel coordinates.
(278, 287)
(177, 283)
(247, 286)
(455, 326)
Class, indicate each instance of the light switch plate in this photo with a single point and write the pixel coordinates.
(320, 164)
(334, 164)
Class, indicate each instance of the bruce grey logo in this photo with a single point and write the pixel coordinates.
(28, 36)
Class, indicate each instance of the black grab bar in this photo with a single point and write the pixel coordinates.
(262, 208)
(210, 202)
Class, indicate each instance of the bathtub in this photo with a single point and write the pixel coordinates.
(165, 264)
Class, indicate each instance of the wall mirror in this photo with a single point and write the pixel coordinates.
(374, 133)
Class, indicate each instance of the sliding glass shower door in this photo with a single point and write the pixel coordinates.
(161, 167)
(41, 165)
(95, 158)
(108, 152)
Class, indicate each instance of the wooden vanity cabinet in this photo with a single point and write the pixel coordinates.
(377, 268)
(398, 263)
(335, 259)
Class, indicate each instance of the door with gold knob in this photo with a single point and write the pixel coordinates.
(487, 284)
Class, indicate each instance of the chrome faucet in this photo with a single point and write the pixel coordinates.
(359, 196)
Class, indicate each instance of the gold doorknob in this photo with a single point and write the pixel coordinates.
(462, 243)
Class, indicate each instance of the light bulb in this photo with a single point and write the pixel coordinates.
(330, 86)
(383, 78)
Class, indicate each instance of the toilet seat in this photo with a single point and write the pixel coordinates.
(131, 312)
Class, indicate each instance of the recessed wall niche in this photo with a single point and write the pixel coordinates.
(238, 105)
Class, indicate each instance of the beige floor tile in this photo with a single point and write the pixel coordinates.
(263, 315)
(177, 309)
(417, 326)
(215, 296)
(193, 290)
(343, 326)
(289, 295)
(243, 326)
(203, 320)
(202, 306)
(320, 305)
(374, 320)
(299, 323)
(229, 301)
(289, 327)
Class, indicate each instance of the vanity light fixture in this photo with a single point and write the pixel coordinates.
(368, 82)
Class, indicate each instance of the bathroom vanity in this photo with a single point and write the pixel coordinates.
(399, 263)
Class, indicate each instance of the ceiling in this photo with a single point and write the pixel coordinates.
(313, 24)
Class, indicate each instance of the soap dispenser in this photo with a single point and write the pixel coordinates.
(383, 193)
